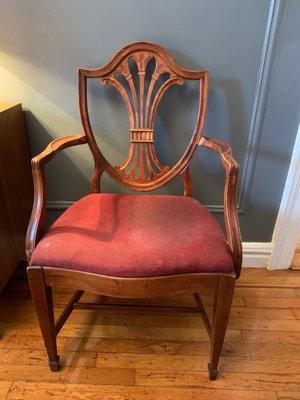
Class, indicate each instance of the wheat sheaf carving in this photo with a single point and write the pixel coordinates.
(142, 72)
(142, 97)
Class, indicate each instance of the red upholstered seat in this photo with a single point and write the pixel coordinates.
(135, 236)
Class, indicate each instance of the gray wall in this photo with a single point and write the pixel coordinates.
(251, 49)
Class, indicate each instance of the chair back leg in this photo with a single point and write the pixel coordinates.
(42, 298)
(221, 311)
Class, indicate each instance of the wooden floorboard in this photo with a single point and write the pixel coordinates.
(58, 391)
(296, 259)
(132, 356)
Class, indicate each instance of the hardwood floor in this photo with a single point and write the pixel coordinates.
(296, 259)
(133, 356)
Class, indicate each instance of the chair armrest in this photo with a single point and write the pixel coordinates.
(38, 213)
(232, 227)
(55, 146)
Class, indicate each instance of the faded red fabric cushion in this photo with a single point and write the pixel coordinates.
(135, 236)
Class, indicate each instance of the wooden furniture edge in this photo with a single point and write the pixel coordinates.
(147, 287)
(6, 106)
(232, 227)
(38, 213)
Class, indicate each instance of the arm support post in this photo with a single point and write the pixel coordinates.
(38, 213)
(232, 227)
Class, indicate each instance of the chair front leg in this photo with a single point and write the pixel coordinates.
(42, 297)
(222, 306)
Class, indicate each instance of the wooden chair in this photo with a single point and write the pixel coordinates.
(133, 246)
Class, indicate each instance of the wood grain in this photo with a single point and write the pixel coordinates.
(273, 303)
(289, 281)
(4, 388)
(297, 292)
(255, 319)
(57, 391)
(26, 313)
(37, 357)
(235, 381)
(257, 292)
(16, 194)
(133, 356)
(288, 396)
(181, 347)
(84, 375)
(296, 313)
(271, 337)
(168, 362)
(112, 331)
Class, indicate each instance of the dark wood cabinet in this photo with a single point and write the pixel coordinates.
(16, 192)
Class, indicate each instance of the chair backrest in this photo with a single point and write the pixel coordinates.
(141, 170)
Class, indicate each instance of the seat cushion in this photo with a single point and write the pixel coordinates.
(135, 236)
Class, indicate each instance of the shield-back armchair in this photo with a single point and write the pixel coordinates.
(133, 246)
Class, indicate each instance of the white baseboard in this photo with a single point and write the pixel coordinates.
(256, 254)
(287, 227)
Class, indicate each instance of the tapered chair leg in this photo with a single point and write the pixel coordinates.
(222, 306)
(42, 297)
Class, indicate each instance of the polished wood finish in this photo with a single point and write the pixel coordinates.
(221, 310)
(141, 171)
(233, 233)
(16, 194)
(67, 311)
(132, 288)
(37, 219)
(42, 297)
(122, 353)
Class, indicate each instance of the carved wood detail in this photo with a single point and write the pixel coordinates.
(141, 171)
(232, 226)
(38, 214)
(141, 163)
(142, 90)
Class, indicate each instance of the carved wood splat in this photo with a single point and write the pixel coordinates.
(142, 72)
(141, 163)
